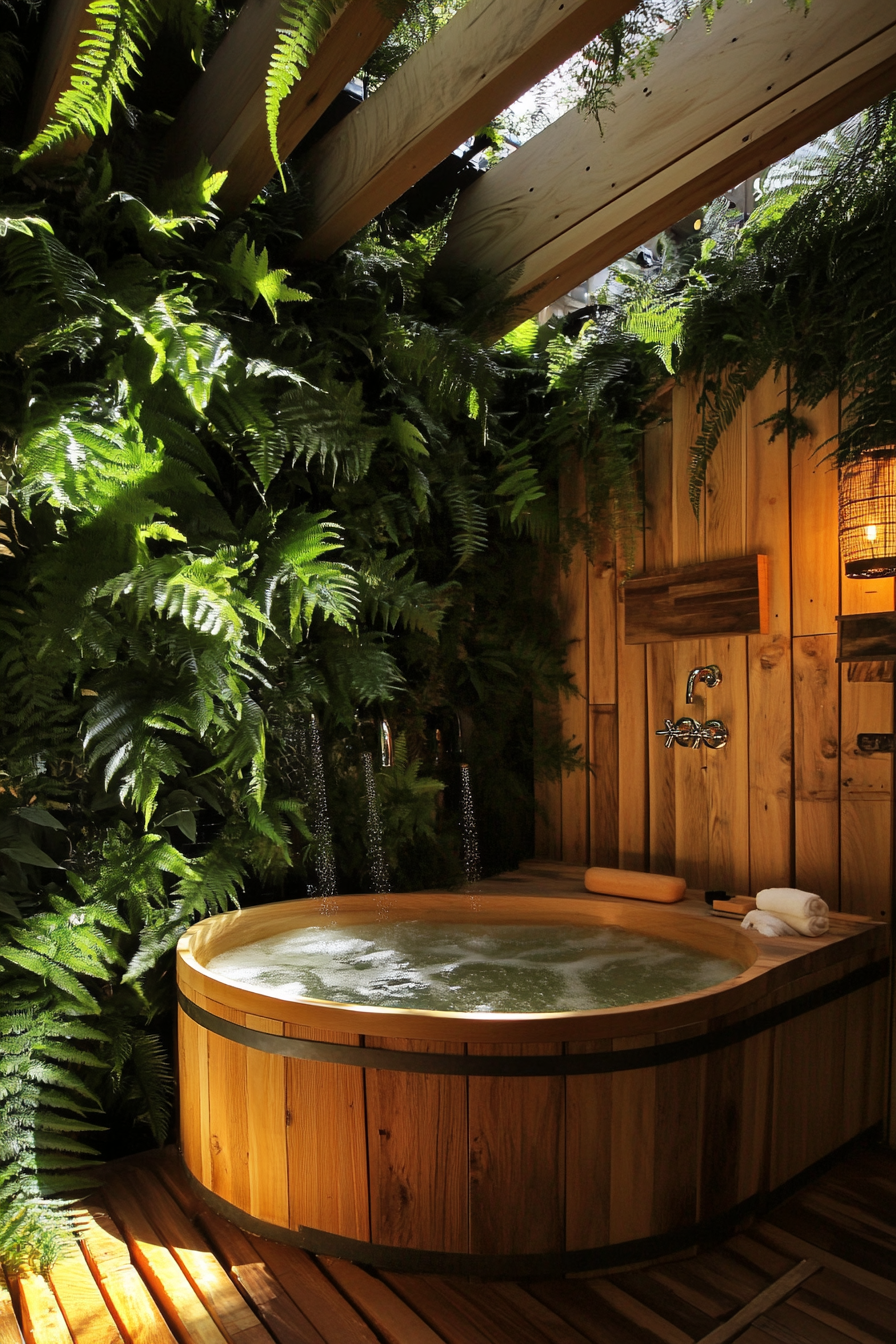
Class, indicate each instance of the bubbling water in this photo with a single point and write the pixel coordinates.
(473, 967)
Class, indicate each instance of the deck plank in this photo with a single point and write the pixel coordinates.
(81, 1302)
(9, 1325)
(42, 1320)
(207, 1276)
(127, 1296)
(457, 1316)
(171, 1288)
(311, 1291)
(384, 1310)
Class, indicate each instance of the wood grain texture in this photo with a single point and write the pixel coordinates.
(228, 1115)
(769, 670)
(392, 1319)
(866, 637)
(814, 504)
(714, 110)
(603, 786)
(589, 1113)
(489, 53)
(42, 1320)
(662, 689)
(866, 880)
(816, 738)
(265, 1130)
(632, 1138)
(126, 1295)
(719, 597)
(9, 1325)
(327, 1143)
(517, 1160)
(63, 34)
(602, 605)
(223, 117)
(727, 770)
(572, 598)
(82, 1304)
(632, 737)
(414, 1201)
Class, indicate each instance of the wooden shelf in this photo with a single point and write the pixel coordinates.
(722, 597)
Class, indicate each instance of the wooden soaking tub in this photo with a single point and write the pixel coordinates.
(502, 1145)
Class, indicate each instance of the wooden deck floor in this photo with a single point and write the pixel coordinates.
(157, 1267)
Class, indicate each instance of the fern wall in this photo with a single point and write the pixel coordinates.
(791, 800)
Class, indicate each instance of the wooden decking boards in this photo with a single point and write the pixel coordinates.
(156, 1266)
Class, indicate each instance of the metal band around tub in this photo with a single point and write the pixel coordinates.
(536, 1066)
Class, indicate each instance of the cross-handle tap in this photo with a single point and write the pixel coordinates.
(712, 675)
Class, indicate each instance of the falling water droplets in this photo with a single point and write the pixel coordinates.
(376, 854)
(469, 833)
(325, 862)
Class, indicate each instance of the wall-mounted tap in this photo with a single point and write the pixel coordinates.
(688, 732)
(711, 675)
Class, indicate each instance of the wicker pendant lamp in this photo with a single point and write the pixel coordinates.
(868, 515)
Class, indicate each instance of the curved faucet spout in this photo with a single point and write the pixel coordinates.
(712, 675)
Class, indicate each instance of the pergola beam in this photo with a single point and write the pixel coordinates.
(62, 36)
(484, 58)
(716, 108)
(223, 116)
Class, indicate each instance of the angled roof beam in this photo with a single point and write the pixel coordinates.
(62, 36)
(716, 108)
(488, 54)
(223, 115)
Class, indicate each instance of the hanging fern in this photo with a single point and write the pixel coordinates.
(305, 23)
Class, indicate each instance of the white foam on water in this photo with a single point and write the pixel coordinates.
(473, 968)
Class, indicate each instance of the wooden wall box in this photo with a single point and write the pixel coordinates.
(722, 597)
(866, 638)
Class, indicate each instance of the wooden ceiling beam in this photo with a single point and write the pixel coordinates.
(716, 108)
(223, 116)
(484, 58)
(66, 25)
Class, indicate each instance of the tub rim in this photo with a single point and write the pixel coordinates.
(218, 933)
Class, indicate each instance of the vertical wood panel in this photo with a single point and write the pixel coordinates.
(727, 770)
(633, 742)
(266, 1095)
(692, 789)
(573, 607)
(688, 532)
(414, 1202)
(589, 1102)
(228, 1112)
(661, 684)
(633, 1163)
(327, 1142)
(193, 1094)
(816, 731)
(601, 574)
(517, 1160)
(604, 787)
(756, 1115)
(769, 656)
(724, 495)
(548, 830)
(676, 1145)
(816, 559)
(865, 799)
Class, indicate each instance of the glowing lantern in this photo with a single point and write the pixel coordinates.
(868, 515)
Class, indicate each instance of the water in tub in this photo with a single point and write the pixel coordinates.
(473, 968)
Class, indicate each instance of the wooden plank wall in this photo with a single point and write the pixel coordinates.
(790, 800)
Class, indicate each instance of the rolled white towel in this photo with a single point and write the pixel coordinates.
(810, 926)
(764, 922)
(786, 901)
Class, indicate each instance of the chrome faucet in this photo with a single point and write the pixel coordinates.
(711, 675)
(688, 732)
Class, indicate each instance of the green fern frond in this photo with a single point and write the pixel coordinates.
(305, 23)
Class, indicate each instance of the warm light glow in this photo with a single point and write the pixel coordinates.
(698, 223)
(871, 532)
(868, 514)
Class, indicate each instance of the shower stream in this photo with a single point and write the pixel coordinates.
(325, 862)
(376, 854)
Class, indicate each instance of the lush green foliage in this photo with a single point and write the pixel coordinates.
(231, 495)
(803, 284)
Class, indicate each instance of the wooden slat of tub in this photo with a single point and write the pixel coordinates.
(266, 1126)
(589, 1102)
(326, 1141)
(195, 1137)
(720, 1130)
(676, 1169)
(228, 1113)
(632, 1136)
(81, 1302)
(517, 1159)
(415, 1201)
(771, 709)
(808, 1101)
(754, 1146)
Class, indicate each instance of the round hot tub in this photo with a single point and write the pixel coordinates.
(400, 1133)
